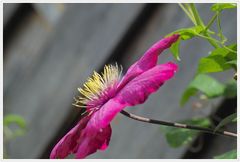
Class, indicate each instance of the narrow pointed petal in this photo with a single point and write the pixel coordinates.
(69, 142)
(137, 90)
(149, 59)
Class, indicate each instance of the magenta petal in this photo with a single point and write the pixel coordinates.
(108, 132)
(104, 146)
(69, 142)
(105, 114)
(82, 141)
(148, 60)
(93, 140)
(137, 90)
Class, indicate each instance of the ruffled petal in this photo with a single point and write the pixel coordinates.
(93, 139)
(82, 141)
(138, 89)
(69, 142)
(148, 60)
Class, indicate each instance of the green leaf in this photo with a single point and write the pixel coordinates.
(212, 64)
(222, 6)
(230, 89)
(175, 49)
(218, 60)
(227, 120)
(188, 33)
(232, 63)
(204, 83)
(177, 137)
(228, 155)
(225, 53)
(190, 91)
(14, 119)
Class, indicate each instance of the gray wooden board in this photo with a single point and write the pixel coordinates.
(81, 43)
(8, 10)
(133, 139)
(83, 39)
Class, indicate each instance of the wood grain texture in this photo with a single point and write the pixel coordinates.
(133, 139)
(43, 91)
(41, 87)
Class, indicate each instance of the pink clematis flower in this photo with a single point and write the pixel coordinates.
(104, 96)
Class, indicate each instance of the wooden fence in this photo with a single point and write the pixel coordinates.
(52, 50)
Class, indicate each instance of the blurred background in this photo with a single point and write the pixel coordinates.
(51, 49)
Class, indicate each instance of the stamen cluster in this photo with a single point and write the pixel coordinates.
(99, 88)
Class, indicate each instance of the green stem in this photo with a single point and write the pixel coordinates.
(229, 49)
(214, 40)
(190, 16)
(211, 22)
(223, 39)
(211, 41)
(196, 15)
(188, 8)
(200, 22)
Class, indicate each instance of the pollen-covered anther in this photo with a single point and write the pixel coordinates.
(99, 88)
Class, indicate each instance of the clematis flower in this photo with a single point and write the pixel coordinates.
(105, 95)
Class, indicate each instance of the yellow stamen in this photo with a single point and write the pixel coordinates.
(96, 85)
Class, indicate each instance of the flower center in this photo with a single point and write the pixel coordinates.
(99, 88)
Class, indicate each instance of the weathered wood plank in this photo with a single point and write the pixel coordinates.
(133, 139)
(44, 90)
(83, 40)
(8, 11)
